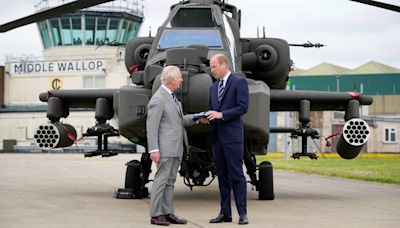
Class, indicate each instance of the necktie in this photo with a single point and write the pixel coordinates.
(221, 88)
(176, 101)
(174, 97)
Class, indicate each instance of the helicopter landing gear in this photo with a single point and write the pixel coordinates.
(264, 182)
(136, 177)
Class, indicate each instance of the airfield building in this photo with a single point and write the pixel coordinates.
(378, 80)
(76, 55)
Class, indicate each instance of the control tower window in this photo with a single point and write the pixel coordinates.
(44, 32)
(129, 30)
(101, 30)
(66, 31)
(123, 31)
(76, 30)
(113, 29)
(135, 30)
(89, 28)
(89, 31)
(193, 17)
(55, 32)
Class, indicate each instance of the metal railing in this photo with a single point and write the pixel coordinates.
(135, 7)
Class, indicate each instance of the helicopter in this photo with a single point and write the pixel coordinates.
(194, 31)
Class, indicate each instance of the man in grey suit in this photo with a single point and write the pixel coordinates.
(166, 137)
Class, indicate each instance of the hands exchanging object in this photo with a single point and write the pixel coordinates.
(202, 117)
(205, 118)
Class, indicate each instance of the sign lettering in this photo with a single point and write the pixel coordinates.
(57, 66)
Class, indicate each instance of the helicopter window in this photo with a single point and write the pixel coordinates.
(193, 17)
(173, 38)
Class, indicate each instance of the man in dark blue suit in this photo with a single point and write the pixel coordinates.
(229, 97)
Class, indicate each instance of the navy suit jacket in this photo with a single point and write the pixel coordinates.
(233, 106)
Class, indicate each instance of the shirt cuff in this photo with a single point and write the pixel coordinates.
(155, 150)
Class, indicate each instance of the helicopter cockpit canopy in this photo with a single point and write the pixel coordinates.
(193, 17)
(200, 24)
(191, 25)
(174, 38)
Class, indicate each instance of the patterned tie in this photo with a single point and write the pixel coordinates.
(174, 97)
(220, 90)
(176, 102)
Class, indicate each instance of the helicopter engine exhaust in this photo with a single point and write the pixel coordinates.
(55, 135)
(354, 135)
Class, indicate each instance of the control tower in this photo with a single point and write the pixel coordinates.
(116, 21)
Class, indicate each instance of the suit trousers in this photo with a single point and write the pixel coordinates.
(162, 192)
(229, 164)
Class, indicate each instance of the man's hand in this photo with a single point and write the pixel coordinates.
(155, 156)
(212, 115)
(203, 121)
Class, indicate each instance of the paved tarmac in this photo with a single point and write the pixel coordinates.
(68, 190)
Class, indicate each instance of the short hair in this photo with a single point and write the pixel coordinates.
(221, 58)
(168, 73)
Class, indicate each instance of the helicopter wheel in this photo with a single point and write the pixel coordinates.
(265, 181)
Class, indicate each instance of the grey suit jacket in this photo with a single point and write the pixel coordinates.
(165, 125)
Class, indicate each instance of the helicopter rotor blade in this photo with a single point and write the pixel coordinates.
(379, 4)
(49, 13)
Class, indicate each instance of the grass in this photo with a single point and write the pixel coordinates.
(383, 168)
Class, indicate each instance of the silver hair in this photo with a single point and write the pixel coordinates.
(168, 73)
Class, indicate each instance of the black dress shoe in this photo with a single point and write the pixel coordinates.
(221, 218)
(159, 220)
(243, 220)
(173, 219)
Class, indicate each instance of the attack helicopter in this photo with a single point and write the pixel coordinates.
(194, 31)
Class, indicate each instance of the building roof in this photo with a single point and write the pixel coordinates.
(296, 72)
(373, 67)
(324, 69)
(328, 69)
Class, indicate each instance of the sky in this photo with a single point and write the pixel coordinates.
(354, 33)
